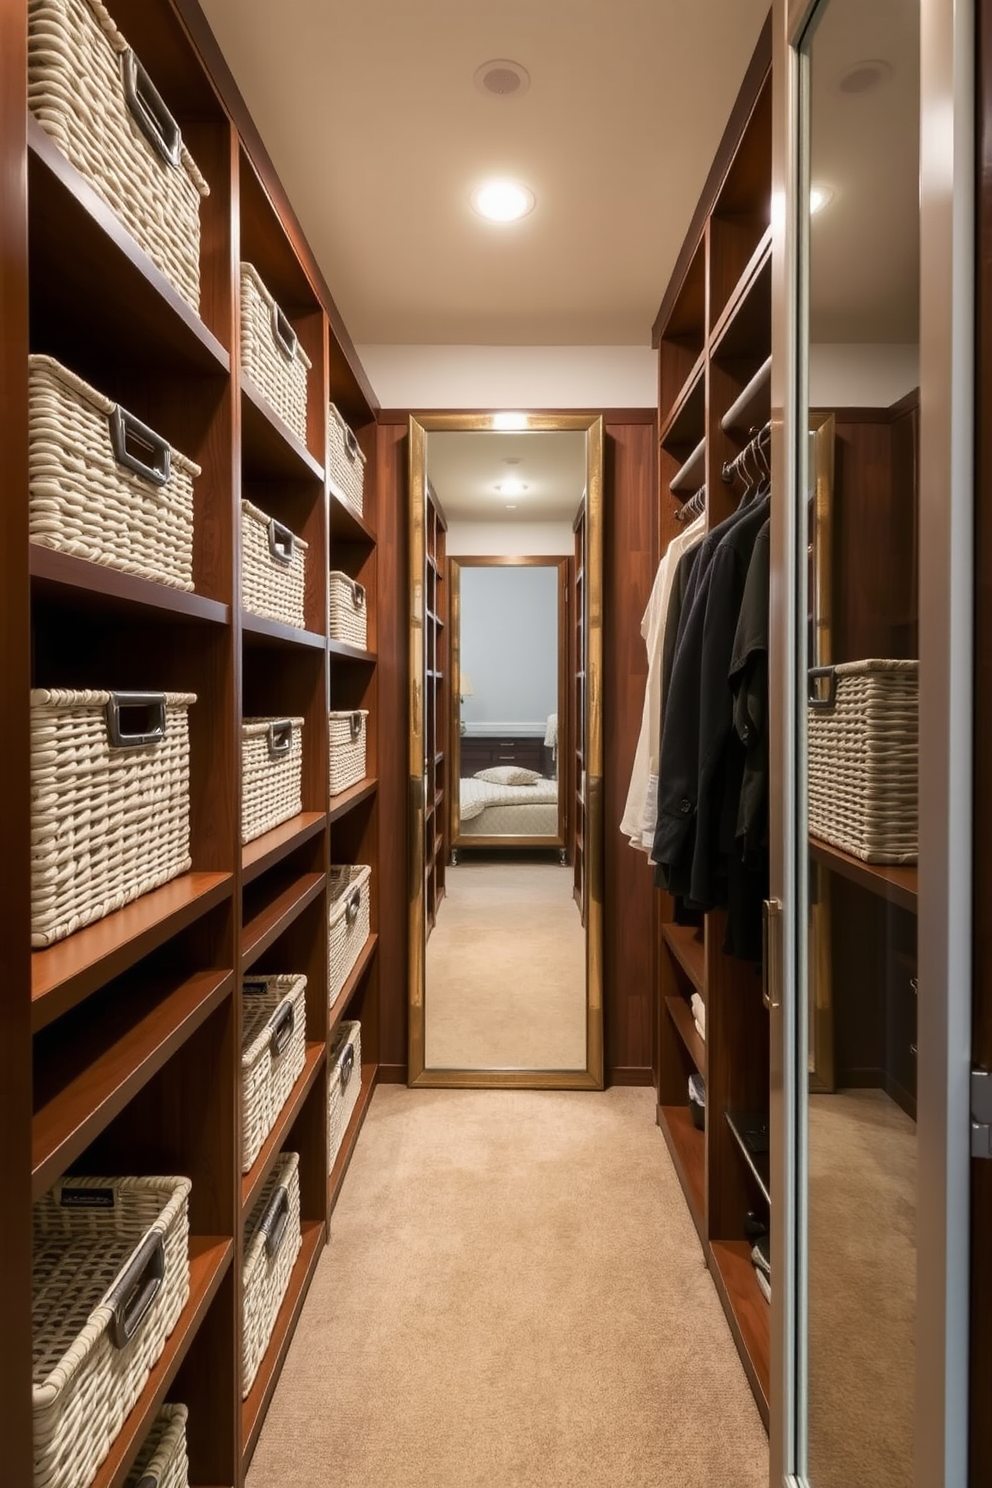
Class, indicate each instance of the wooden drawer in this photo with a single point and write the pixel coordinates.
(480, 753)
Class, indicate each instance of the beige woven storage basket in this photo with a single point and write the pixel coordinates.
(863, 759)
(110, 1278)
(271, 354)
(347, 738)
(348, 612)
(102, 485)
(345, 1085)
(88, 91)
(271, 773)
(273, 568)
(345, 462)
(109, 803)
(273, 1050)
(162, 1461)
(349, 923)
(271, 1244)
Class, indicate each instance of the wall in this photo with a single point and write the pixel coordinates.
(509, 648)
(870, 375)
(510, 539)
(560, 377)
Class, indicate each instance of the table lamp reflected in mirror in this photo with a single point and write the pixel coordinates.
(466, 691)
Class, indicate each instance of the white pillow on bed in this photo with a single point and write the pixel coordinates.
(509, 775)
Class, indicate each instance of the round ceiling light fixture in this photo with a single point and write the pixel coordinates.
(502, 78)
(503, 201)
(511, 487)
(863, 77)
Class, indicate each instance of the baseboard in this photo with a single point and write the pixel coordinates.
(392, 1074)
(629, 1074)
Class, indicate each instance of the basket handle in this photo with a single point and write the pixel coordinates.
(274, 1220)
(352, 907)
(282, 543)
(813, 697)
(347, 1066)
(359, 595)
(132, 1295)
(350, 445)
(120, 736)
(280, 738)
(356, 726)
(148, 110)
(139, 448)
(282, 1024)
(283, 333)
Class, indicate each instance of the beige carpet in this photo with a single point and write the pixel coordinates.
(506, 970)
(862, 1228)
(513, 1297)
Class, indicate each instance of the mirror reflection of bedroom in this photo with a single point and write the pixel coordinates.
(505, 958)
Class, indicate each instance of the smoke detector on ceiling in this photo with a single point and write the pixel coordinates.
(502, 78)
(863, 77)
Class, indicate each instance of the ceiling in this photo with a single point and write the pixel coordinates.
(379, 134)
(465, 469)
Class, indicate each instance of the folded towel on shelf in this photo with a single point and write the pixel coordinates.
(698, 1012)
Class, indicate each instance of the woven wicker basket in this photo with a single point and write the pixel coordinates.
(271, 354)
(348, 612)
(162, 1461)
(273, 568)
(271, 1245)
(345, 1085)
(102, 485)
(345, 462)
(271, 773)
(863, 760)
(109, 803)
(91, 94)
(110, 1278)
(348, 921)
(347, 737)
(273, 1050)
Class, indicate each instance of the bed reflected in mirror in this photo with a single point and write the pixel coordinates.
(505, 980)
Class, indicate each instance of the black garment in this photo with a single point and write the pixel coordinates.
(696, 777)
(749, 685)
(683, 587)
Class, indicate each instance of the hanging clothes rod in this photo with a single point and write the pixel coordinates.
(736, 416)
(690, 472)
(755, 448)
(694, 507)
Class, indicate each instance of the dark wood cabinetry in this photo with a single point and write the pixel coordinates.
(480, 752)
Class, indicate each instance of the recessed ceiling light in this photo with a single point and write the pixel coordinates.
(511, 488)
(502, 78)
(510, 507)
(503, 201)
(819, 197)
(511, 421)
(862, 77)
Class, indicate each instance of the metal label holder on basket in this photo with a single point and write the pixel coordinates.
(125, 428)
(149, 110)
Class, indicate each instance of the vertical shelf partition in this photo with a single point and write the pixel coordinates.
(132, 1025)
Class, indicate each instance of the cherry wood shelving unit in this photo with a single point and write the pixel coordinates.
(120, 1047)
(437, 711)
(577, 699)
(713, 334)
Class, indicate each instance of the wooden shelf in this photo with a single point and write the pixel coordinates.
(687, 1146)
(681, 1015)
(896, 884)
(686, 418)
(686, 944)
(257, 1403)
(270, 448)
(85, 264)
(747, 1312)
(94, 1076)
(253, 1180)
(63, 579)
(350, 1138)
(758, 1162)
(64, 974)
(269, 923)
(209, 1258)
(746, 321)
(347, 800)
(346, 525)
(265, 851)
(260, 631)
(344, 652)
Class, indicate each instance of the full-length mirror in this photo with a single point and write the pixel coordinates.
(506, 750)
(857, 625)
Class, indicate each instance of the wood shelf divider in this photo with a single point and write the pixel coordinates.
(347, 800)
(345, 652)
(263, 631)
(60, 576)
(267, 926)
(265, 851)
(893, 882)
(757, 1162)
(270, 440)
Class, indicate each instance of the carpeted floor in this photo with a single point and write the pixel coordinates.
(862, 1314)
(506, 970)
(513, 1297)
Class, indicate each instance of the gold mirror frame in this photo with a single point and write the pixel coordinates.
(591, 1078)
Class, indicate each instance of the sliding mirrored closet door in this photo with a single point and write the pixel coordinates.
(506, 750)
(855, 838)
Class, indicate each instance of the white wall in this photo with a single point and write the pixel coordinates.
(509, 648)
(588, 377)
(872, 375)
(510, 539)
